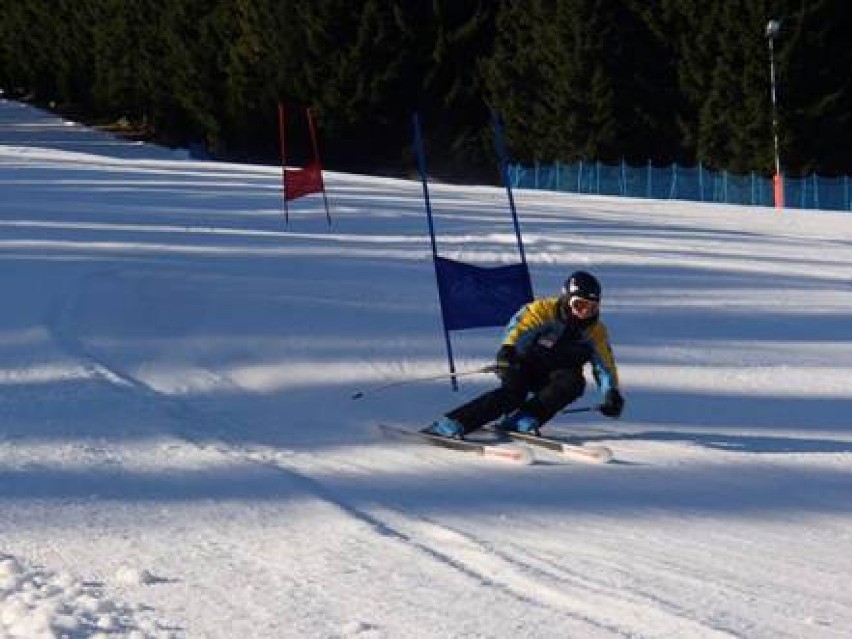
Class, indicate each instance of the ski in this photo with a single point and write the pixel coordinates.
(513, 454)
(589, 453)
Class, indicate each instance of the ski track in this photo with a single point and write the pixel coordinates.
(521, 576)
(525, 575)
(544, 585)
(517, 576)
(691, 573)
(529, 575)
(532, 578)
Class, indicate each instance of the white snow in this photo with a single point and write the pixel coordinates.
(180, 455)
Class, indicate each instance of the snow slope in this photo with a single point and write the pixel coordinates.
(180, 455)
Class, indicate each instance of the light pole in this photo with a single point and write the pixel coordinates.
(773, 28)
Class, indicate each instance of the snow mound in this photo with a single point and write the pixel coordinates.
(37, 604)
(134, 576)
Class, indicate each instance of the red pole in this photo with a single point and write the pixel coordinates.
(778, 183)
(282, 125)
(317, 162)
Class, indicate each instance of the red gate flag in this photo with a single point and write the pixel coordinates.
(298, 182)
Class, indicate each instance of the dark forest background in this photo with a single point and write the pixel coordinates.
(667, 80)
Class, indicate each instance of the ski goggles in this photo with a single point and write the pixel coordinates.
(582, 307)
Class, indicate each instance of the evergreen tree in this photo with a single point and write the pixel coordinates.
(571, 79)
(451, 93)
(528, 79)
(354, 69)
(31, 38)
(684, 80)
(235, 53)
(17, 69)
(647, 69)
(815, 86)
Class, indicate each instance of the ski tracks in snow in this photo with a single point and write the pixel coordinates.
(584, 606)
(541, 584)
(572, 599)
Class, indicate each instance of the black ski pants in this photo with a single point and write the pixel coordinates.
(532, 386)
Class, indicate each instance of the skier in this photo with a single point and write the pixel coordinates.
(540, 364)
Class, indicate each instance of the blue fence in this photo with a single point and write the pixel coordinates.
(684, 183)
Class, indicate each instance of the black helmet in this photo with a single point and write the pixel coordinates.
(584, 285)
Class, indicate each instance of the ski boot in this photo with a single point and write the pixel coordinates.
(520, 423)
(445, 427)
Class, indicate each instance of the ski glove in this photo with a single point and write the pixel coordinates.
(507, 357)
(613, 404)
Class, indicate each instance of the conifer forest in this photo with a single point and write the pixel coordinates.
(684, 81)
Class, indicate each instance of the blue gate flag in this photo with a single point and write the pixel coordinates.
(474, 296)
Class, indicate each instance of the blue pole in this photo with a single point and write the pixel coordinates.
(649, 179)
(816, 192)
(673, 190)
(503, 157)
(421, 163)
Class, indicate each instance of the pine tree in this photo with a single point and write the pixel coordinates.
(528, 79)
(557, 74)
(684, 80)
(353, 70)
(17, 42)
(815, 86)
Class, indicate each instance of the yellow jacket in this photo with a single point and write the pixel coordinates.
(540, 322)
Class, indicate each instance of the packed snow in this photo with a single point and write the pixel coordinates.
(181, 456)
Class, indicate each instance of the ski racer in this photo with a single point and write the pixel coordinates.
(540, 364)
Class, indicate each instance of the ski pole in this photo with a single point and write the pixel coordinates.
(582, 409)
(478, 371)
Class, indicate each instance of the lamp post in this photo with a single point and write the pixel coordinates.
(773, 28)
